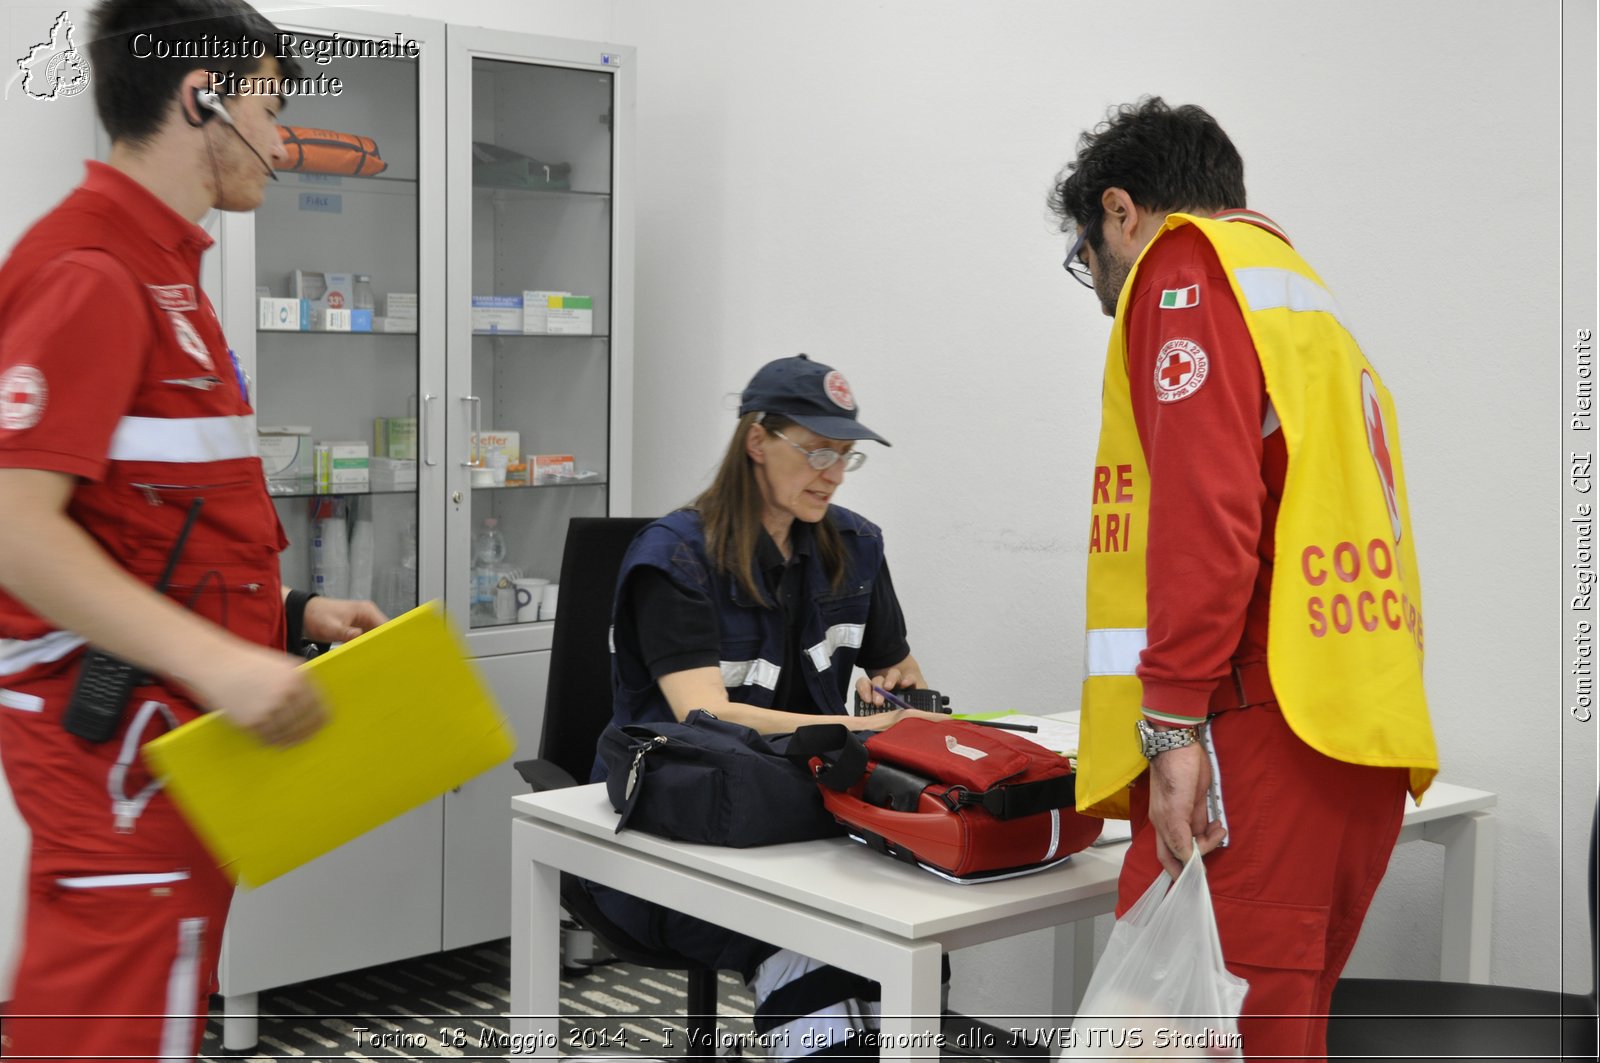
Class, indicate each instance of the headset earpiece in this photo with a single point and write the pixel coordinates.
(208, 103)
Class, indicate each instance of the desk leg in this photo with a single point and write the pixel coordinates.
(911, 1012)
(1074, 958)
(535, 950)
(1469, 848)
(241, 1021)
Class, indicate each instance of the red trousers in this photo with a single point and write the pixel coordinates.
(125, 908)
(1309, 839)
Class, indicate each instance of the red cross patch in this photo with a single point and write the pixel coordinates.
(189, 339)
(838, 389)
(22, 398)
(1382, 454)
(1181, 367)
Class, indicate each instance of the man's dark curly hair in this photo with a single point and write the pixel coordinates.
(1166, 158)
(139, 48)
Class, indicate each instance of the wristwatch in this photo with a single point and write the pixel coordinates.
(1153, 743)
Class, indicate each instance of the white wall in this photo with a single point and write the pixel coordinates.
(865, 181)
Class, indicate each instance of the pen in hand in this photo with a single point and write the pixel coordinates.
(897, 702)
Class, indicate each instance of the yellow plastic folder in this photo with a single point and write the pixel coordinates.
(409, 719)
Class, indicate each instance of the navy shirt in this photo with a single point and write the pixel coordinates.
(681, 630)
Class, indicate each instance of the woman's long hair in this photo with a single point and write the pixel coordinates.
(730, 514)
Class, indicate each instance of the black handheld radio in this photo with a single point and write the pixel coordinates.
(100, 696)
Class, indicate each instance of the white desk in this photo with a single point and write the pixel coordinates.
(837, 902)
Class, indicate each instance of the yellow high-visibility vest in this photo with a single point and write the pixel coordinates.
(1344, 643)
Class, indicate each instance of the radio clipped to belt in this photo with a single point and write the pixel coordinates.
(960, 800)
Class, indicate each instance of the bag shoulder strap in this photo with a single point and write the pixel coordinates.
(1013, 800)
(843, 754)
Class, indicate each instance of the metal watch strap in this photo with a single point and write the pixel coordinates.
(1153, 743)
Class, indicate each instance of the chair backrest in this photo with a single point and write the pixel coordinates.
(577, 703)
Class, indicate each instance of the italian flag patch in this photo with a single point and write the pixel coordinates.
(1179, 298)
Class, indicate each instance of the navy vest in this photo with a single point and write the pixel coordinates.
(752, 633)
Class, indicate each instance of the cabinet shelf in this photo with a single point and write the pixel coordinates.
(325, 332)
(510, 192)
(595, 482)
(308, 489)
(541, 336)
(292, 183)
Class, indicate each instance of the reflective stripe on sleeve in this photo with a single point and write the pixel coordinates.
(1113, 650)
(183, 439)
(838, 635)
(756, 673)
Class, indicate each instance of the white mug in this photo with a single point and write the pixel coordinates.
(547, 601)
(529, 592)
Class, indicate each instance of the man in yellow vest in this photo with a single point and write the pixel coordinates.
(1253, 671)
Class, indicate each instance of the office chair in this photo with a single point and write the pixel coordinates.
(577, 708)
(1394, 1018)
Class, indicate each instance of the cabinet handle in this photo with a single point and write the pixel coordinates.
(427, 454)
(474, 423)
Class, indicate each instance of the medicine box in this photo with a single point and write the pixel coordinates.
(497, 313)
(330, 319)
(342, 462)
(311, 285)
(489, 441)
(402, 305)
(394, 437)
(392, 473)
(570, 315)
(551, 468)
(361, 320)
(535, 311)
(394, 324)
(285, 451)
(282, 315)
(340, 294)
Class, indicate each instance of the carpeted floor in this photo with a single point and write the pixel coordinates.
(452, 1005)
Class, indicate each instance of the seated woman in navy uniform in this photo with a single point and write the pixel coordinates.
(755, 603)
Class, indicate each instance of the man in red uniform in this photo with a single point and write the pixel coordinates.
(1297, 840)
(120, 408)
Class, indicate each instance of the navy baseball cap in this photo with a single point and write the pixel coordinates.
(812, 395)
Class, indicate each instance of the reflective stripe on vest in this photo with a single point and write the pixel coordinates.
(838, 635)
(183, 439)
(1266, 288)
(1113, 650)
(756, 673)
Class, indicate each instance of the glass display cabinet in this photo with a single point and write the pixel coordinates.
(440, 347)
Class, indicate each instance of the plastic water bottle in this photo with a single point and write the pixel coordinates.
(489, 553)
(361, 548)
(330, 548)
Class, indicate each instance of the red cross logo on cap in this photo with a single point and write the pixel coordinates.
(22, 397)
(1382, 455)
(838, 389)
(1181, 367)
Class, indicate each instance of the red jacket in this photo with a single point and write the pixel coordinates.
(114, 369)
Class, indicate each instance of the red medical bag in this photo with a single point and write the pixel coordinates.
(962, 800)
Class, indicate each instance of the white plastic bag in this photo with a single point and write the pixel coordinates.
(1161, 991)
